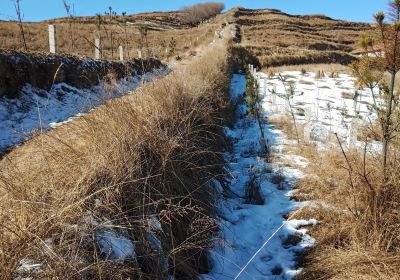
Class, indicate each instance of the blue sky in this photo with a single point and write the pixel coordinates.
(36, 10)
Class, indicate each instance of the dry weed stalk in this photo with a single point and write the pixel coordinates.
(20, 25)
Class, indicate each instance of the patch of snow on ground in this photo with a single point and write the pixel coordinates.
(327, 105)
(38, 110)
(116, 246)
(27, 267)
(256, 238)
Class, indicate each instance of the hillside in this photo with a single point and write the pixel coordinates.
(277, 38)
(162, 28)
(243, 148)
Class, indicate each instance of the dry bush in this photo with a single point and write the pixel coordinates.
(195, 14)
(150, 154)
(359, 236)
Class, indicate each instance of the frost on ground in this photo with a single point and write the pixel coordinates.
(38, 110)
(257, 241)
(324, 105)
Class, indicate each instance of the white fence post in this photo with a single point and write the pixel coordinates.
(52, 39)
(309, 118)
(139, 53)
(97, 46)
(121, 53)
(352, 133)
(273, 100)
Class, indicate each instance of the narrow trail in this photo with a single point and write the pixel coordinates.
(257, 240)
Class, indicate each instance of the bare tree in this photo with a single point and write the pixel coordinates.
(143, 43)
(125, 25)
(21, 27)
(111, 14)
(288, 96)
(67, 8)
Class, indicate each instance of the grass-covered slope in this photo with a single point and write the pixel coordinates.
(125, 191)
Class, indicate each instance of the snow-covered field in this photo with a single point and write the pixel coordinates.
(262, 241)
(257, 239)
(324, 105)
(38, 110)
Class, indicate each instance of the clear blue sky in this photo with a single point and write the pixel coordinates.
(36, 10)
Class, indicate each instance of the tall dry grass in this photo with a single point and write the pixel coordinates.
(146, 155)
(358, 236)
(359, 232)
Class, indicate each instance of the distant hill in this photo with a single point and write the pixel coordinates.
(277, 38)
(274, 37)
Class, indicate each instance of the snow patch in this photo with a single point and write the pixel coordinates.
(37, 110)
(323, 105)
(116, 246)
(255, 238)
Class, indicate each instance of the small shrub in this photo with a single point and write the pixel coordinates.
(195, 14)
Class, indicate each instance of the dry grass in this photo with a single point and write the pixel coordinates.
(285, 123)
(162, 27)
(326, 68)
(151, 153)
(360, 229)
(279, 39)
(275, 28)
(359, 232)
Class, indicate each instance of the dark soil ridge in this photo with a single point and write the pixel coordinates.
(42, 71)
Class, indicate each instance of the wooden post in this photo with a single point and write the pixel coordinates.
(121, 53)
(52, 39)
(97, 46)
(139, 53)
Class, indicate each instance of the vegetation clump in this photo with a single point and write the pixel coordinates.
(197, 13)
